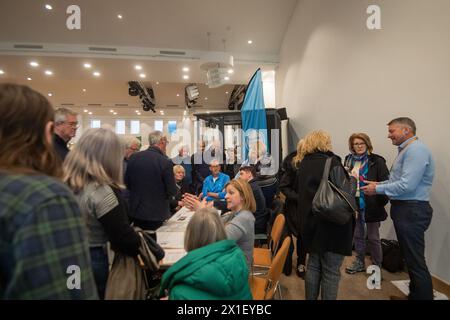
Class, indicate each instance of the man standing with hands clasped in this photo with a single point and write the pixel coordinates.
(408, 188)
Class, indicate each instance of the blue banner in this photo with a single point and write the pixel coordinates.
(253, 114)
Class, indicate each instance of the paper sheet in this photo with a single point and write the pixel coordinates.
(403, 286)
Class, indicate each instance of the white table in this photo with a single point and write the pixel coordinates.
(170, 236)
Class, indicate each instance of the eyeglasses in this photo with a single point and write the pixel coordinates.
(73, 124)
(359, 144)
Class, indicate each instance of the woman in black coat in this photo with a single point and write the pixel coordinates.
(365, 165)
(327, 243)
(288, 186)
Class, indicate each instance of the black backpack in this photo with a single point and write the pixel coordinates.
(392, 256)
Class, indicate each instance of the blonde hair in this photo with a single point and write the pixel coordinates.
(315, 141)
(178, 168)
(298, 157)
(97, 157)
(205, 227)
(364, 137)
(246, 193)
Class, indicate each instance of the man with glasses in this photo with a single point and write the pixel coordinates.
(66, 126)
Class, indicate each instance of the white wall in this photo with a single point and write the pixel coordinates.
(337, 75)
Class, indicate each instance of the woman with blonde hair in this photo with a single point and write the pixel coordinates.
(214, 267)
(41, 229)
(363, 164)
(294, 223)
(93, 170)
(327, 243)
(239, 221)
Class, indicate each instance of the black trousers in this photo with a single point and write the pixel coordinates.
(411, 220)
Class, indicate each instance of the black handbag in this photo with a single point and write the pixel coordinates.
(331, 203)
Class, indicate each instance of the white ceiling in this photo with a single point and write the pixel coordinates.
(148, 26)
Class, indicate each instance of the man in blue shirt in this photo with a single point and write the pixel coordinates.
(214, 184)
(408, 188)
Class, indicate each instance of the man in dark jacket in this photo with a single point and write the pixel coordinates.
(262, 214)
(66, 126)
(151, 183)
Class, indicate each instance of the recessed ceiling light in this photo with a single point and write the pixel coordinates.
(112, 111)
(48, 72)
(206, 98)
(29, 79)
(85, 110)
(115, 113)
(249, 41)
(185, 69)
(49, 94)
(184, 112)
(84, 90)
(34, 64)
(89, 112)
(226, 78)
(96, 74)
(185, 77)
(87, 65)
(138, 67)
(226, 92)
(2, 72)
(157, 82)
(178, 94)
(119, 16)
(207, 111)
(142, 75)
(230, 71)
(48, 7)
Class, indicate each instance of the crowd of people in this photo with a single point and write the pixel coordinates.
(60, 208)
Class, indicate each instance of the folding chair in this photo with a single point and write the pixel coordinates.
(264, 288)
(262, 257)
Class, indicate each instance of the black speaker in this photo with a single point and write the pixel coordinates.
(282, 113)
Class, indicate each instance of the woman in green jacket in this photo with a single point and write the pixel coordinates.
(214, 268)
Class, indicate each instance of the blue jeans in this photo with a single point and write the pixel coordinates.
(411, 220)
(100, 268)
(323, 275)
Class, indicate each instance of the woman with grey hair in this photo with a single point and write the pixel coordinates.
(93, 170)
(214, 267)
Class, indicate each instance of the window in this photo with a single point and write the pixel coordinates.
(96, 124)
(159, 125)
(120, 126)
(172, 126)
(135, 127)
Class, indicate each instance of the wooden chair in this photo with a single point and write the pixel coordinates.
(264, 288)
(262, 257)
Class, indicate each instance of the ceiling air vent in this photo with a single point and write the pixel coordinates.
(102, 49)
(67, 104)
(174, 53)
(121, 104)
(28, 46)
(94, 104)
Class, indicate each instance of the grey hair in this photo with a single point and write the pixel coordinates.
(404, 121)
(205, 227)
(178, 168)
(97, 157)
(62, 113)
(129, 141)
(155, 137)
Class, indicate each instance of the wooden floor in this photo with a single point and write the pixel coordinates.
(351, 287)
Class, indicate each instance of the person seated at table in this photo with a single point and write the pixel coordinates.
(239, 221)
(182, 187)
(214, 267)
(214, 184)
(262, 214)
